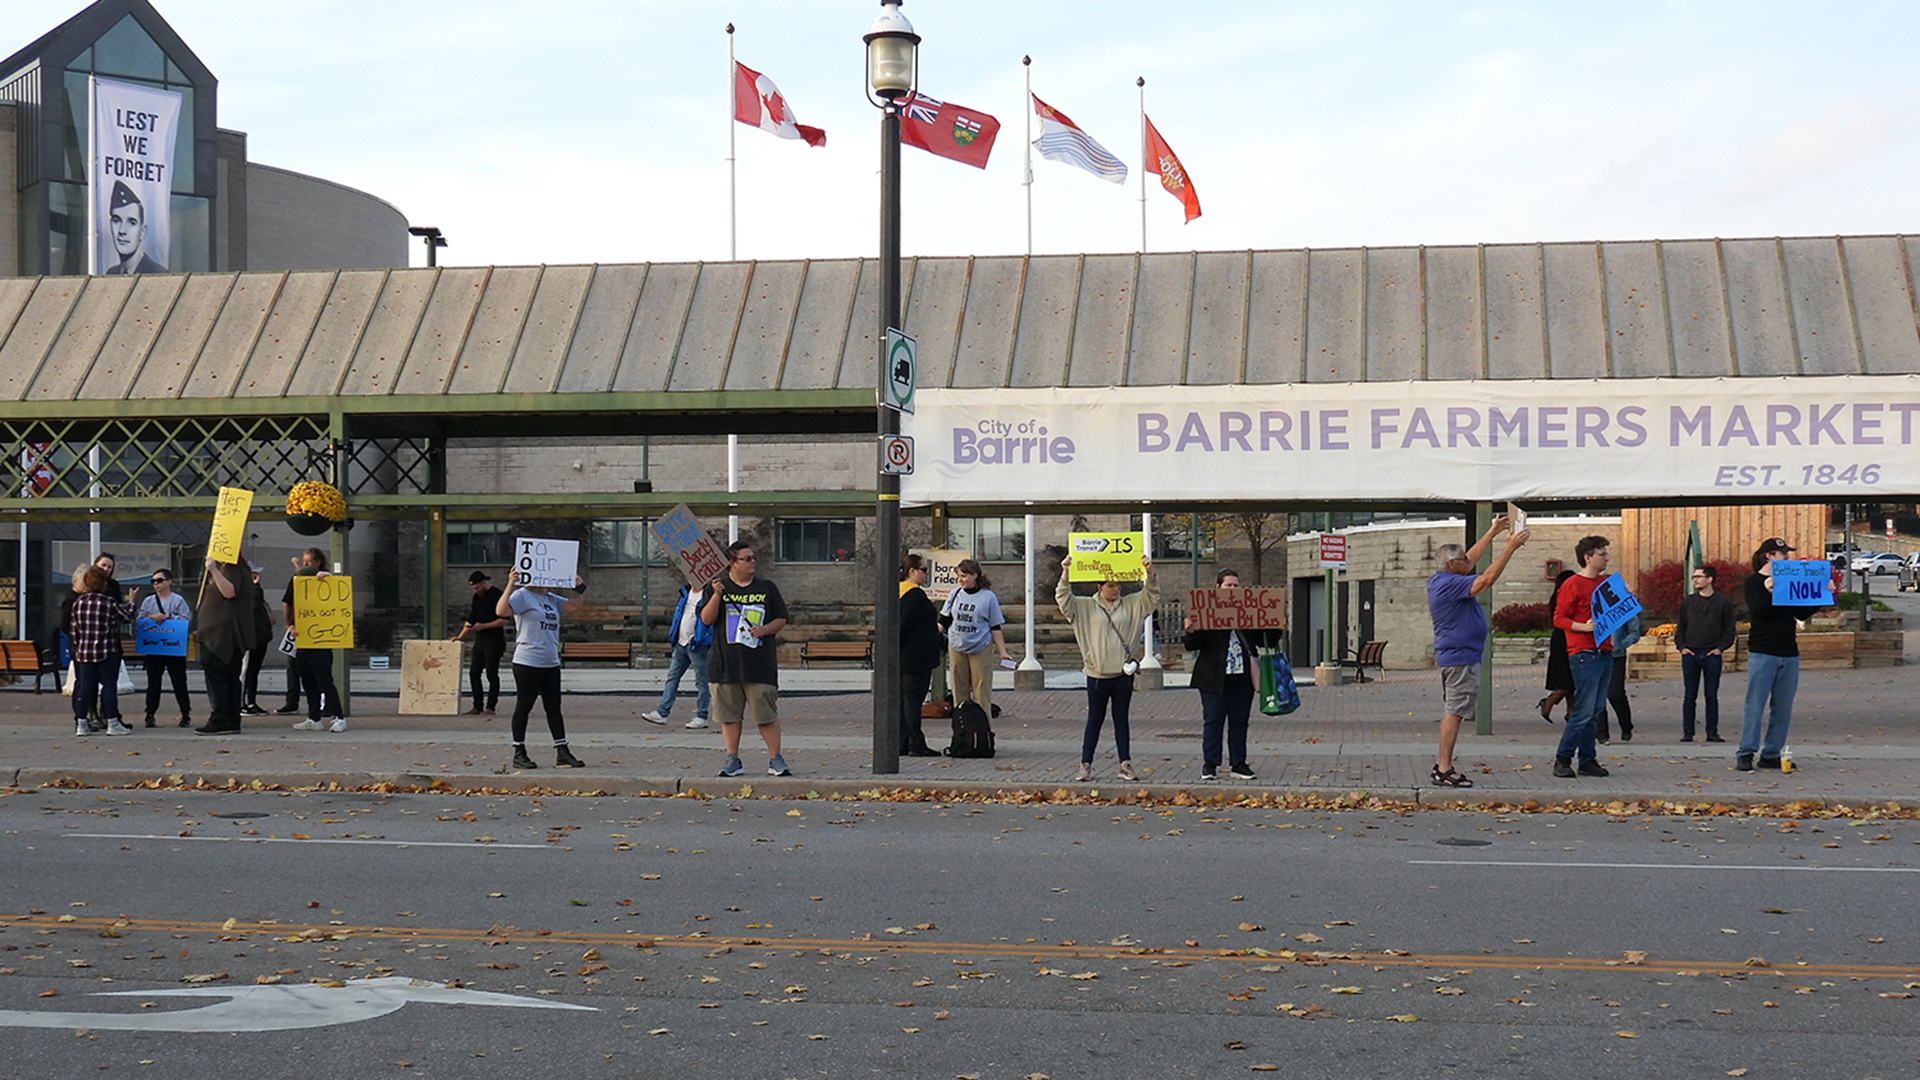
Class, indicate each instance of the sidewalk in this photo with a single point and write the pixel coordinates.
(1856, 740)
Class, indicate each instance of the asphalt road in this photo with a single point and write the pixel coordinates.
(816, 938)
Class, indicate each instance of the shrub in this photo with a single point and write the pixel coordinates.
(1661, 588)
(1523, 619)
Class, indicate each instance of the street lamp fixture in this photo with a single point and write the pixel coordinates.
(892, 64)
(431, 235)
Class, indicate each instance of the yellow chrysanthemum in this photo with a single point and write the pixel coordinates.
(314, 497)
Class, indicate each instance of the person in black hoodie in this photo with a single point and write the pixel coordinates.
(922, 647)
(1226, 672)
(1773, 662)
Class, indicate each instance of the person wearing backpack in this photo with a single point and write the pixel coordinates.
(1226, 671)
(1106, 625)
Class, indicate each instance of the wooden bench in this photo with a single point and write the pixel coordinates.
(1370, 656)
(858, 651)
(596, 650)
(21, 658)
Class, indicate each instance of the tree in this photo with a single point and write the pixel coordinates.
(1258, 533)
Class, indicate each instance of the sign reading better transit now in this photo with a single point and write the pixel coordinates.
(1841, 437)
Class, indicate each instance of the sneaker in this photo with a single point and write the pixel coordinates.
(1086, 772)
(521, 760)
(653, 716)
(1743, 763)
(252, 709)
(186, 721)
(1686, 738)
(286, 710)
(1209, 772)
(1715, 738)
(777, 766)
(1604, 741)
(80, 729)
(1242, 772)
(697, 723)
(209, 728)
(1768, 763)
(1590, 767)
(476, 711)
(150, 722)
(115, 727)
(308, 725)
(563, 758)
(732, 767)
(1626, 734)
(1563, 768)
(1126, 771)
(339, 724)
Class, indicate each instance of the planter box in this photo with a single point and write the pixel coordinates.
(1820, 650)
(1518, 651)
(1656, 658)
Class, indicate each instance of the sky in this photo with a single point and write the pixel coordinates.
(577, 131)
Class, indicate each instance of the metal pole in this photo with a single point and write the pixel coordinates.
(733, 483)
(1026, 147)
(1141, 83)
(1151, 659)
(733, 110)
(886, 540)
(1032, 661)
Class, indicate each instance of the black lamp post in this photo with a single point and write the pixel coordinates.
(433, 239)
(892, 62)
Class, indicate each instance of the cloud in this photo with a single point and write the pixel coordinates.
(1840, 135)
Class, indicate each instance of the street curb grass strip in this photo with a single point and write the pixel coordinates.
(314, 932)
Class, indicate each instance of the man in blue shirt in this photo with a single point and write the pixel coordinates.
(1460, 634)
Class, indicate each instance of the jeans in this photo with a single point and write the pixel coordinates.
(1119, 691)
(1592, 671)
(488, 648)
(1776, 677)
(1692, 667)
(540, 684)
(96, 679)
(684, 657)
(1228, 709)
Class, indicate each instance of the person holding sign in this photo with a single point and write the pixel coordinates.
(1773, 660)
(1106, 626)
(746, 612)
(1460, 635)
(1590, 659)
(1226, 671)
(224, 625)
(692, 640)
(536, 612)
(163, 605)
(93, 635)
(315, 662)
(972, 619)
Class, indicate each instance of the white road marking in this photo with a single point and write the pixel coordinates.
(275, 1008)
(291, 840)
(1667, 866)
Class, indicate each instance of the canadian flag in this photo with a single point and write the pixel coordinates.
(759, 103)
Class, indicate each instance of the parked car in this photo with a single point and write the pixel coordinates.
(1876, 563)
(1910, 573)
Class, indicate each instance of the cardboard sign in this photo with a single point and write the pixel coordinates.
(229, 524)
(1517, 518)
(943, 571)
(1802, 582)
(167, 637)
(323, 612)
(1111, 556)
(1613, 605)
(430, 678)
(699, 558)
(549, 564)
(1238, 609)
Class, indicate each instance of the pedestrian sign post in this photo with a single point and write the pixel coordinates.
(897, 392)
(896, 455)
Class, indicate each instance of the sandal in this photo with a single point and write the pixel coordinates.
(1450, 778)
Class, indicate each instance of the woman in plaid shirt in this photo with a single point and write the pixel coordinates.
(94, 637)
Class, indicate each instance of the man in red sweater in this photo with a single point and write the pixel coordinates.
(1592, 661)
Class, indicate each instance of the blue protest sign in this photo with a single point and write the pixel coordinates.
(1612, 606)
(165, 638)
(1802, 582)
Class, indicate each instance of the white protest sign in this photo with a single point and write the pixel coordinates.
(549, 564)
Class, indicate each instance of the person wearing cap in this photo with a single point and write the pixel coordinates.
(489, 630)
(1773, 662)
(316, 662)
(127, 228)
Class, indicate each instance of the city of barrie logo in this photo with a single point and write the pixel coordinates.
(965, 130)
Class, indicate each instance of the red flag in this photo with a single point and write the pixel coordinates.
(1162, 162)
(759, 103)
(947, 130)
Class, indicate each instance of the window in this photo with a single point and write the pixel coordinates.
(995, 539)
(816, 540)
(625, 543)
(1172, 534)
(479, 543)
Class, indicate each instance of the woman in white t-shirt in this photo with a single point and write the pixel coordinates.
(972, 619)
(536, 613)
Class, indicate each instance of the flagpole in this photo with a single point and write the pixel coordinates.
(733, 110)
(1026, 148)
(1141, 83)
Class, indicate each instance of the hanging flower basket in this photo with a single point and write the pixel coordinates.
(314, 507)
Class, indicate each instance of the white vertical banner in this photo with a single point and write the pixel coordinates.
(130, 176)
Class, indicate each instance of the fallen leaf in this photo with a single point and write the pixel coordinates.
(941, 1015)
(1263, 1067)
(1308, 937)
(924, 926)
(1736, 1072)
(206, 978)
(1625, 1035)
(1403, 1018)
(1248, 927)
(661, 1031)
(1633, 956)
(816, 1038)
(1897, 994)
(49, 993)
(1235, 1044)
(1346, 990)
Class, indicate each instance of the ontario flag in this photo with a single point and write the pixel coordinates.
(1161, 160)
(759, 103)
(946, 130)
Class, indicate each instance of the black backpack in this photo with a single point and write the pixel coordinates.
(972, 732)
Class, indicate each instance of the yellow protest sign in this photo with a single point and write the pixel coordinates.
(229, 524)
(323, 612)
(1113, 556)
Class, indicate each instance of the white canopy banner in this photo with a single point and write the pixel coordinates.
(130, 201)
(1839, 437)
